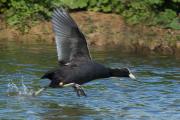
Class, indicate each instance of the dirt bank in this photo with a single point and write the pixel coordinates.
(105, 30)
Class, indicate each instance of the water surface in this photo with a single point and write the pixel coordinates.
(155, 96)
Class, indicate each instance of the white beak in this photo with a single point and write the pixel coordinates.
(132, 76)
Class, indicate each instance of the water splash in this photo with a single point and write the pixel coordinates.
(12, 89)
(15, 90)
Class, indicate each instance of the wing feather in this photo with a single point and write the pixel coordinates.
(70, 41)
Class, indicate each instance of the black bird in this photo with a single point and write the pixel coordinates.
(76, 65)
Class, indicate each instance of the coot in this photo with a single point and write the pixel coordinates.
(76, 66)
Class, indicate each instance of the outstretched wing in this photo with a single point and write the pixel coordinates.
(70, 41)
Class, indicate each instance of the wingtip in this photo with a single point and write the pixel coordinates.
(59, 10)
(61, 13)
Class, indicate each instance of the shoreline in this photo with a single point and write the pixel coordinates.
(104, 30)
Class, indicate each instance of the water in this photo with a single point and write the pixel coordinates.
(155, 96)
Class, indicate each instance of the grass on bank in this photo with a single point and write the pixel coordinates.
(162, 13)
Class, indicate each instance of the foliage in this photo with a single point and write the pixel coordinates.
(151, 12)
(168, 19)
(73, 4)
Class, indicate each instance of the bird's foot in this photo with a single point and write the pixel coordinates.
(39, 91)
(78, 89)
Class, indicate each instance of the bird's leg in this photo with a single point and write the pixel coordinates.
(39, 91)
(79, 90)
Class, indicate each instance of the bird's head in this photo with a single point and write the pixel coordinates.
(124, 72)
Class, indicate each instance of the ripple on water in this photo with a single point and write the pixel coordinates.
(154, 96)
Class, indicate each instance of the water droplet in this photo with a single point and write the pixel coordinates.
(15, 90)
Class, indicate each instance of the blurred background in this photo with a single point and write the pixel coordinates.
(134, 25)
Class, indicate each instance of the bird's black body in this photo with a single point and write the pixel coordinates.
(76, 66)
(79, 74)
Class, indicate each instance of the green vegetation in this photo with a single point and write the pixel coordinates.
(150, 12)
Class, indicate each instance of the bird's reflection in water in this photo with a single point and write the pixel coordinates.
(56, 111)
